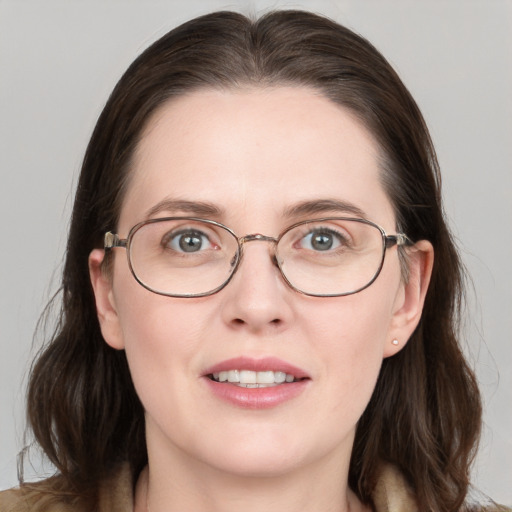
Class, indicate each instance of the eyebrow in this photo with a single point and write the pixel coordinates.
(314, 207)
(199, 208)
(304, 208)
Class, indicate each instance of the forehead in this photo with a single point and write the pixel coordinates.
(255, 153)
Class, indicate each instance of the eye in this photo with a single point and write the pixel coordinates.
(322, 239)
(187, 241)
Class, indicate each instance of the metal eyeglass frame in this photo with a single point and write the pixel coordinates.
(112, 240)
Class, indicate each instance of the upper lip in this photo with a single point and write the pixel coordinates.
(257, 365)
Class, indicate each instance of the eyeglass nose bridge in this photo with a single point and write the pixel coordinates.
(256, 237)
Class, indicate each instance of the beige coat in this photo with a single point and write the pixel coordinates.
(391, 495)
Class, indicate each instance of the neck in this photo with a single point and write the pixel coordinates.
(178, 483)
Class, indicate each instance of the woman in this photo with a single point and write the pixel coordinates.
(281, 332)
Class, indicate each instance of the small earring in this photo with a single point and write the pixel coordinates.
(395, 342)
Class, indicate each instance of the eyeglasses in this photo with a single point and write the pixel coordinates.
(192, 257)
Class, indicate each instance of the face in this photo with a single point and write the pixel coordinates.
(252, 156)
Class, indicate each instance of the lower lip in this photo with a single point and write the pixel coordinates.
(256, 398)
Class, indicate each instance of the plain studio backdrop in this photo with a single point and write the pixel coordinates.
(59, 61)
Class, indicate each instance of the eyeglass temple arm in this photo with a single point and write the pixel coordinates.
(112, 240)
(398, 239)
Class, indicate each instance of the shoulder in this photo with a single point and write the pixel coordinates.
(477, 501)
(37, 498)
(53, 495)
(393, 494)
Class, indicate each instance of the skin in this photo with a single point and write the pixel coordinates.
(253, 153)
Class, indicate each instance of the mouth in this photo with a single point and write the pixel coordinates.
(256, 383)
(254, 379)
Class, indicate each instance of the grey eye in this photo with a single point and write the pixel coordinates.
(188, 241)
(321, 240)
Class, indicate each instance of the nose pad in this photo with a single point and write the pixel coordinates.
(234, 260)
(273, 258)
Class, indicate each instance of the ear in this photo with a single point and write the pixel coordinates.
(411, 298)
(105, 304)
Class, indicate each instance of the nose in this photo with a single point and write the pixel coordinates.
(257, 299)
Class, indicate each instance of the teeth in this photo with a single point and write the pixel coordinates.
(233, 376)
(279, 377)
(247, 377)
(242, 385)
(251, 379)
(265, 377)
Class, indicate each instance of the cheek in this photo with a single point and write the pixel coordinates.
(351, 333)
(160, 334)
(351, 326)
(162, 341)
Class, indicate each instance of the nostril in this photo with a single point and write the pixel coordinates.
(240, 321)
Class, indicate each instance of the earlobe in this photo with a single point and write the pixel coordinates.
(105, 304)
(411, 299)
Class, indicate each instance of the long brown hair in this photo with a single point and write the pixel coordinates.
(424, 415)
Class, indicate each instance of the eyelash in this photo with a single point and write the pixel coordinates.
(340, 237)
(173, 237)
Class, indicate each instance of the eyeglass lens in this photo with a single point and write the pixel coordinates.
(188, 257)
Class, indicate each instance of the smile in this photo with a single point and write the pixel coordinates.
(256, 383)
(253, 379)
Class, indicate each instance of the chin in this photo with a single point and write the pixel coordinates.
(261, 466)
(260, 456)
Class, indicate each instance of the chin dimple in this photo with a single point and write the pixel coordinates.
(252, 379)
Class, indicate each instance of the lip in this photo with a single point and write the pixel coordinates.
(256, 398)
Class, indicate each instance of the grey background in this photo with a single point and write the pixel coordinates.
(60, 59)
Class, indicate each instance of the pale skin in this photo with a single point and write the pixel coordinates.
(254, 154)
